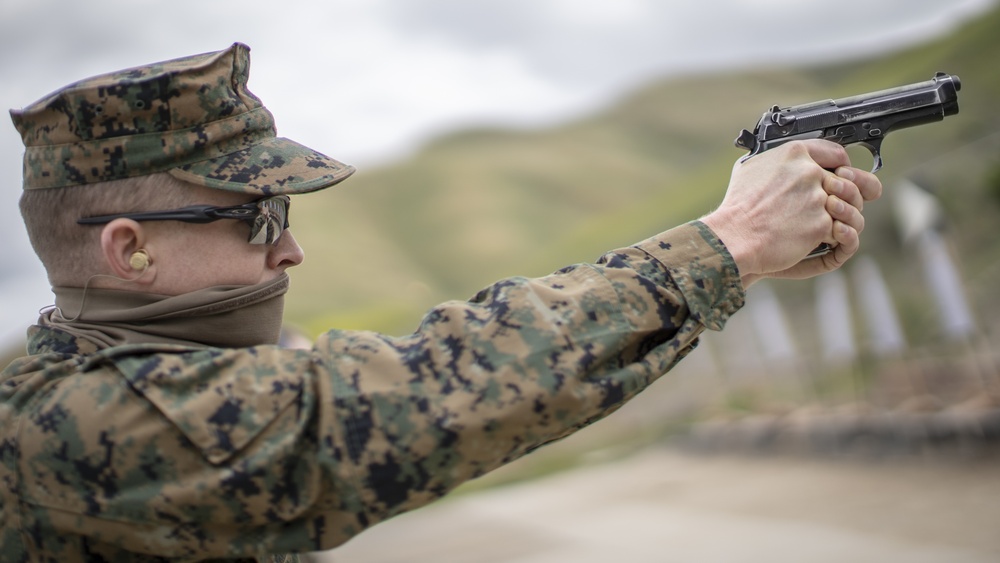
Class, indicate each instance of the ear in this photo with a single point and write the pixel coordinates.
(120, 239)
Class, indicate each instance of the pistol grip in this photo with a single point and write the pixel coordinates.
(820, 250)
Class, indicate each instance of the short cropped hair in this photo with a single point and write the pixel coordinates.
(71, 252)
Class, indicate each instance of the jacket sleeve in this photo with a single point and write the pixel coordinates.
(525, 362)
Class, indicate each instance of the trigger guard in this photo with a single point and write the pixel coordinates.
(875, 148)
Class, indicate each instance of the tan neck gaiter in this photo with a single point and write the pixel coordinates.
(223, 316)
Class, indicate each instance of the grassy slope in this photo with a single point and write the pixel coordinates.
(482, 204)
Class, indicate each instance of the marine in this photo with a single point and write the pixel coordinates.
(156, 417)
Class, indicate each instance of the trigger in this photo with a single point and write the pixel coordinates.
(877, 164)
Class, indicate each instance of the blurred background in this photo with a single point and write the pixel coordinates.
(512, 138)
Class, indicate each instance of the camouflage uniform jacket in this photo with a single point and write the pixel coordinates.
(198, 453)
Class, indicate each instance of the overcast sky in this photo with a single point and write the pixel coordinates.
(366, 81)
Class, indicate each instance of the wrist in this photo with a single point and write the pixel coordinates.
(738, 241)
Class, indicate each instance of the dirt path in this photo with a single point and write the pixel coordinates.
(662, 505)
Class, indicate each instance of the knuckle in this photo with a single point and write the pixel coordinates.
(797, 148)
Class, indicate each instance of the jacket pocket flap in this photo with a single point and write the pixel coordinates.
(220, 399)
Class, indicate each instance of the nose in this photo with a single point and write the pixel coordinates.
(286, 253)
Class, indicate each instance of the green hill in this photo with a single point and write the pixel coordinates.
(479, 205)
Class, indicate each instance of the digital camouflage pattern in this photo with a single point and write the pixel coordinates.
(196, 453)
(192, 117)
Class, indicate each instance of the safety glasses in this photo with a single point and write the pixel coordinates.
(267, 217)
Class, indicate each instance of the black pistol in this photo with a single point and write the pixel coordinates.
(864, 119)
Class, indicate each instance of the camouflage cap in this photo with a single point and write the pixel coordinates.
(192, 117)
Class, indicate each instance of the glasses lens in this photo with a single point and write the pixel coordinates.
(271, 220)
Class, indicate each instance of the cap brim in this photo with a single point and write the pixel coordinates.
(276, 166)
